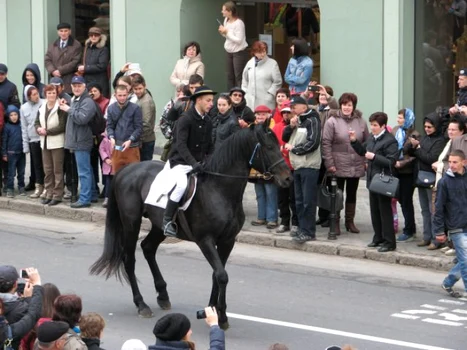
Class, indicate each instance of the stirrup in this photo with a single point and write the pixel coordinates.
(167, 225)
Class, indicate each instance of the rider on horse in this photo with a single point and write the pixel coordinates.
(192, 144)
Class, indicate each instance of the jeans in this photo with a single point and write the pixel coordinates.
(16, 162)
(107, 179)
(406, 190)
(266, 198)
(306, 198)
(424, 195)
(460, 269)
(147, 150)
(86, 177)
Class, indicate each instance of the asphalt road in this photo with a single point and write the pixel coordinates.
(304, 300)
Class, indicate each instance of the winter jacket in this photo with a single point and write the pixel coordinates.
(337, 150)
(450, 207)
(325, 110)
(22, 313)
(105, 151)
(64, 60)
(96, 62)
(185, 68)
(92, 343)
(192, 139)
(224, 125)
(28, 113)
(430, 148)
(148, 110)
(78, 132)
(261, 80)
(386, 153)
(12, 141)
(164, 123)
(178, 107)
(216, 342)
(34, 69)
(242, 111)
(2, 120)
(74, 341)
(131, 98)
(306, 141)
(278, 130)
(55, 124)
(9, 94)
(125, 123)
(407, 161)
(298, 73)
(462, 97)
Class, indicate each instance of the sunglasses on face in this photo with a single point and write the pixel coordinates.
(237, 95)
(93, 34)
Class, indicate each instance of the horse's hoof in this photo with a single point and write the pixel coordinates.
(164, 304)
(145, 312)
(224, 325)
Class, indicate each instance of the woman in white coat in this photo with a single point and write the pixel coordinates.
(188, 65)
(261, 78)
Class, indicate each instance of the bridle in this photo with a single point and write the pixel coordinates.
(256, 153)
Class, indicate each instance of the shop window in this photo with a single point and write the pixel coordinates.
(440, 52)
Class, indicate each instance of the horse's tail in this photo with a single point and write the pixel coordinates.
(111, 261)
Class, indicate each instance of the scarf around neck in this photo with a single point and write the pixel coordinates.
(409, 120)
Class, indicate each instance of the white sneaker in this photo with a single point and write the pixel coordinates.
(445, 249)
(450, 252)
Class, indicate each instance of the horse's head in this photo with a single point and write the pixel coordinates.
(267, 157)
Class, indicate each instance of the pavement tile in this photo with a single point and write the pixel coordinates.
(389, 257)
(257, 239)
(352, 251)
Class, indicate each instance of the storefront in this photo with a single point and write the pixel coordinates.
(371, 47)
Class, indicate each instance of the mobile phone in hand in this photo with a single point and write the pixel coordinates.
(220, 23)
(24, 274)
(314, 88)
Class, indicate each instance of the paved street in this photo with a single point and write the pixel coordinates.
(305, 300)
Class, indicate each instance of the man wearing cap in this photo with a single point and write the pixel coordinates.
(79, 139)
(15, 308)
(286, 196)
(63, 56)
(8, 90)
(96, 60)
(303, 140)
(461, 102)
(192, 144)
(244, 113)
(58, 83)
(52, 335)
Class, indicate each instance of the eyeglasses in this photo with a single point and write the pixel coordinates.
(94, 34)
(237, 95)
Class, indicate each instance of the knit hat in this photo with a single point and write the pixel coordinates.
(134, 344)
(3, 68)
(172, 327)
(12, 108)
(51, 331)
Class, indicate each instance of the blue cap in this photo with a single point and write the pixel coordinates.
(78, 80)
(463, 72)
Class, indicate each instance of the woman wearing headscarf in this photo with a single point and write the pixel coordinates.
(404, 166)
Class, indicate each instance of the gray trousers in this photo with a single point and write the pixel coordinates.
(235, 63)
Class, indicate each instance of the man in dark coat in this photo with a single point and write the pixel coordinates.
(8, 90)
(244, 113)
(192, 144)
(63, 56)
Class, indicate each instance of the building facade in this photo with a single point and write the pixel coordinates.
(378, 49)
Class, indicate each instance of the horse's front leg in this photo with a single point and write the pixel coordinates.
(212, 255)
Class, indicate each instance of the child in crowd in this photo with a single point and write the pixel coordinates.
(12, 147)
(92, 328)
(105, 151)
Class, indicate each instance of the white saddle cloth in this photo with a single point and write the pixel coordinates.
(163, 183)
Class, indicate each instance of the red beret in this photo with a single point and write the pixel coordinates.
(262, 108)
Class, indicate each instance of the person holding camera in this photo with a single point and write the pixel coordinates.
(21, 313)
(173, 331)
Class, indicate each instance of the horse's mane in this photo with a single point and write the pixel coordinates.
(234, 148)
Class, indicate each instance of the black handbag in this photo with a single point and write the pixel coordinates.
(324, 197)
(425, 179)
(386, 185)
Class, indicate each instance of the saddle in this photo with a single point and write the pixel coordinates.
(190, 190)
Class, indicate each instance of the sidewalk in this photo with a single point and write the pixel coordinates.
(347, 245)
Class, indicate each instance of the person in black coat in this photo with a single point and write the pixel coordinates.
(426, 151)
(192, 143)
(381, 151)
(20, 313)
(96, 60)
(243, 113)
(225, 123)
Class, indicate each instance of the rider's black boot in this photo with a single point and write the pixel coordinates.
(169, 227)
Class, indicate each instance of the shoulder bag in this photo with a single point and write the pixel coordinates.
(386, 185)
(426, 179)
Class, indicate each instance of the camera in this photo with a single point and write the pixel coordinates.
(314, 88)
(201, 314)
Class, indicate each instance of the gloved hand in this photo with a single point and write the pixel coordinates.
(198, 168)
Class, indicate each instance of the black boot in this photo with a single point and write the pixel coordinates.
(30, 186)
(168, 226)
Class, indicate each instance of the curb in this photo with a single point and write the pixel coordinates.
(248, 237)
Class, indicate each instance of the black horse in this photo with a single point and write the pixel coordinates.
(215, 216)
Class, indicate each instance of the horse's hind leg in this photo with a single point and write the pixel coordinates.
(129, 263)
(149, 246)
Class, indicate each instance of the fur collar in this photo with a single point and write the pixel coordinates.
(100, 44)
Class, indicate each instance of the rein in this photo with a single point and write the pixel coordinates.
(267, 174)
